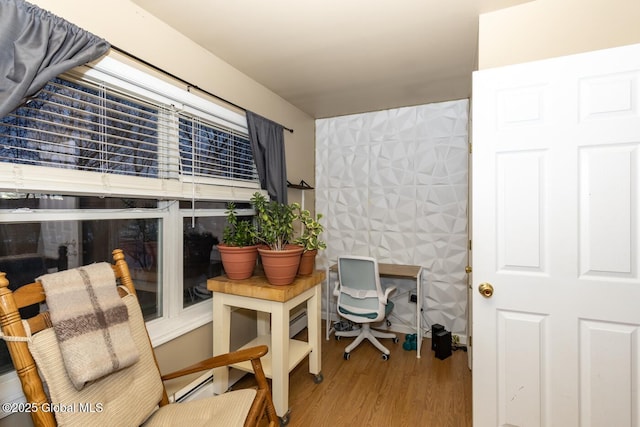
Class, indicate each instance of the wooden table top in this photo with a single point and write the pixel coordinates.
(257, 286)
(401, 271)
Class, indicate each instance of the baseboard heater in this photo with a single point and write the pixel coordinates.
(298, 321)
(200, 387)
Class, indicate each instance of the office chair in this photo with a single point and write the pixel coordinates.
(362, 300)
(132, 394)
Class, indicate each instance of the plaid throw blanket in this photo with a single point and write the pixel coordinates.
(90, 322)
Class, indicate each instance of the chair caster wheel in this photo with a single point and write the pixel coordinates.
(338, 338)
(346, 356)
(396, 340)
(318, 378)
(385, 356)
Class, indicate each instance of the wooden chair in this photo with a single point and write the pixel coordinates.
(131, 396)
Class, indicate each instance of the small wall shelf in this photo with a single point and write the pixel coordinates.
(302, 186)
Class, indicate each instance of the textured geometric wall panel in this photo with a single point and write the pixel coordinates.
(393, 184)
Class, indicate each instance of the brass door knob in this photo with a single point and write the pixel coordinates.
(486, 290)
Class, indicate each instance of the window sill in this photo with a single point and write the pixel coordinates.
(164, 330)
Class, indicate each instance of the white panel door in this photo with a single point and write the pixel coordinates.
(555, 233)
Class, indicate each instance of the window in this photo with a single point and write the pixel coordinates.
(109, 156)
(202, 233)
(76, 125)
(207, 150)
(55, 235)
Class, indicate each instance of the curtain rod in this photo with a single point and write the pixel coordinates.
(189, 85)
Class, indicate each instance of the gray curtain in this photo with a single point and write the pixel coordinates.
(267, 144)
(35, 47)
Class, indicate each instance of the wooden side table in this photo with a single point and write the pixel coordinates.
(273, 305)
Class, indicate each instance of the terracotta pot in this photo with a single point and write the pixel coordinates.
(281, 267)
(238, 261)
(307, 262)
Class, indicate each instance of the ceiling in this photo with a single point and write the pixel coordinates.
(337, 57)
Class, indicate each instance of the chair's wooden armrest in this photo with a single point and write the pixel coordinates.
(251, 353)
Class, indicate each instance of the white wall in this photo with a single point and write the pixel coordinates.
(393, 184)
(551, 28)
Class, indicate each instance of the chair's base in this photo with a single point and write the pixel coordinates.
(366, 332)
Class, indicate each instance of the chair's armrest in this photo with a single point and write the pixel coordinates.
(387, 291)
(251, 353)
(336, 289)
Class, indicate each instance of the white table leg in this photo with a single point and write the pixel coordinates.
(221, 337)
(327, 311)
(314, 307)
(280, 358)
(419, 312)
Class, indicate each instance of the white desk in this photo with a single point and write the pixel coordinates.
(399, 271)
(272, 304)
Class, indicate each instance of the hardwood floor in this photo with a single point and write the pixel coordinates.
(368, 391)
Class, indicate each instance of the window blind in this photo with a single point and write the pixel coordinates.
(83, 126)
(209, 150)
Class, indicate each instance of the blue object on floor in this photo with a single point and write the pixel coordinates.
(411, 342)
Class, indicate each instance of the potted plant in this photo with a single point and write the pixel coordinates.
(280, 258)
(238, 250)
(309, 240)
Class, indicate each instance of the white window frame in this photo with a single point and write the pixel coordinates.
(175, 320)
